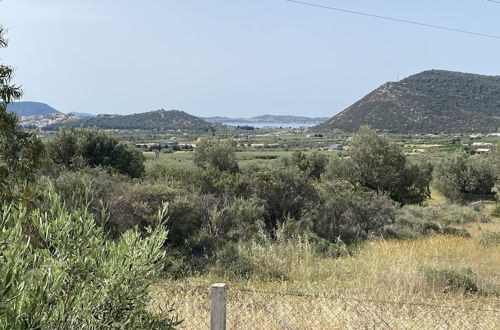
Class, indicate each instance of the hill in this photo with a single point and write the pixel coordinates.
(160, 120)
(31, 109)
(433, 101)
(267, 119)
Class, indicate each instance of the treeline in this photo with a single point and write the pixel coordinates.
(214, 203)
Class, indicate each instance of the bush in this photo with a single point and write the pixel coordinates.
(496, 212)
(456, 232)
(349, 213)
(85, 188)
(490, 239)
(136, 204)
(230, 262)
(79, 148)
(313, 164)
(461, 280)
(287, 193)
(245, 218)
(59, 271)
(216, 154)
(414, 221)
(21, 153)
(381, 165)
(460, 177)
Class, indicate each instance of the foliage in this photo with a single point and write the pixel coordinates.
(349, 213)
(287, 193)
(159, 120)
(495, 158)
(59, 270)
(465, 280)
(413, 221)
(459, 177)
(313, 164)
(496, 212)
(20, 153)
(212, 153)
(490, 239)
(80, 147)
(429, 102)
(382, 166)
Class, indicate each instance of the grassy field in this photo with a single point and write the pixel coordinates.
(420, 283)
(385, 279)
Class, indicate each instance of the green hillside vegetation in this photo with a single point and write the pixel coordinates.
(160, 120)
(429, 102)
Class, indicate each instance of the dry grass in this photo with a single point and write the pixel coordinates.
(436, 198)
(381, 285)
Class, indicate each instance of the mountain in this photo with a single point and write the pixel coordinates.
(432, 101)
(31, 109)
(160, 120)
(267, 119)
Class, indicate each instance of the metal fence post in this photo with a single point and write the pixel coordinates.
(218, 306)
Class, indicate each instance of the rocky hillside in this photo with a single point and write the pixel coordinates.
(160, 120)
(429, 102)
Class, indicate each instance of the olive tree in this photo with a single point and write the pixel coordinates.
(313, 164)
(80, 147)
(460, 176)
(218, 154)
(21, 153)
(381, 165)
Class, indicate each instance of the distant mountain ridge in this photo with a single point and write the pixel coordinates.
(160, 120)
(267, 119)
(27, 108)
(432, 101)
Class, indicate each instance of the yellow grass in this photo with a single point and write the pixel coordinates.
(382, 285)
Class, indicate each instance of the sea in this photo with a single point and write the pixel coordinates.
(271, 125)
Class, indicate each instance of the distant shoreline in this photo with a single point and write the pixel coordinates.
(270, 125)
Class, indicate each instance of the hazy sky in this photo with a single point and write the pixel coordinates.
(234, 57)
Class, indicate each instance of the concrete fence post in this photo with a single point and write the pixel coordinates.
(218, 306)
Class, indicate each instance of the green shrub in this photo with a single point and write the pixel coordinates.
(381, 165)
(313, 164)
(230, 262)
(85, 188)
(134, 204)
(456, 232)
(490, 239)
(21, 153)
(81, 147)
(460, 177)
(414, 221)
(286, 191)
(58, 270)
(496, 212)
(216, 154)
(349, 212)
(459, 280)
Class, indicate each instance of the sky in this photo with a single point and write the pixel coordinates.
(236, 58)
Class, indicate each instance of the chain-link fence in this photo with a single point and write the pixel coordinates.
(251, 309)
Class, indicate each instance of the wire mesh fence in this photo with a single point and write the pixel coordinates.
(252, 309)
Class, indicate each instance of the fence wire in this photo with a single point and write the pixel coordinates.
(251, 309)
